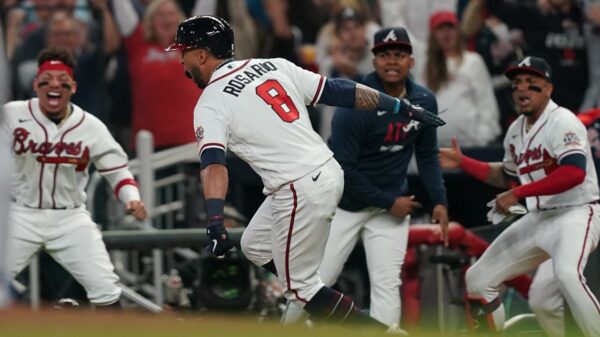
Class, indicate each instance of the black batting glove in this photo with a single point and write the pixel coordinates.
(219, 239)
(419, 114)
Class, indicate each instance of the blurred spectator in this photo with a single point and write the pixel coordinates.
(552, 29)
(343, 50)
(592, 39)
(414, 16)
(5, 82)
(91, 45)
(25, 17)
(163, 99)
(499, 45)
(462, 85)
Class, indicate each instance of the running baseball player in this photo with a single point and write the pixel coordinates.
(256, 108)
(53, 143)
(547, 150)
(374, 152)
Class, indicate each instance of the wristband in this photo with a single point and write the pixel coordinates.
(214, 207)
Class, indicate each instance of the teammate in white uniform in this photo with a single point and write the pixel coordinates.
(547, 150)
(54, 141)
(256, 108)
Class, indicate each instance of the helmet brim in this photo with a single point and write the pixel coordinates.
(178, 46)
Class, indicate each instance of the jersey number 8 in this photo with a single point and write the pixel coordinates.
(274, 95)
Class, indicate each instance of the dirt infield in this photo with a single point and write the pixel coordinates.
(22, 322)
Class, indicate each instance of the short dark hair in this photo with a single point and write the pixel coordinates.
(56, 53)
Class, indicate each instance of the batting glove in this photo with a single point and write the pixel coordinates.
(219, 238)
(419, 114)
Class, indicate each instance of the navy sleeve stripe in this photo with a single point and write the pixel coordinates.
(574, 159)
(211, 145)
(213, 155)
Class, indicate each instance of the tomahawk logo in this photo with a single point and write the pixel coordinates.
(526, 62)
(391, 36)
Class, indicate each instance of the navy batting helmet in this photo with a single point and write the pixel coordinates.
(207, 32)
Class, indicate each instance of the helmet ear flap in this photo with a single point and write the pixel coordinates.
(208, 32)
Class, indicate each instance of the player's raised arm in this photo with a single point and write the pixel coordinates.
(493, 174)
(349, 94)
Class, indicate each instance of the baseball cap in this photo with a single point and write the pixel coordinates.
(348, 14)
(531, 65)
(396, 37)
(442, 17)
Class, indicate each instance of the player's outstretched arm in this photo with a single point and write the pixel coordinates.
(349, 94)
(489, 173)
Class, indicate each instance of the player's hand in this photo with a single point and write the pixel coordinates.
(450, 157)
(403, 206)
(419, 114)
(219, 238)
(137, 209)
(504, 200)
(440, 215)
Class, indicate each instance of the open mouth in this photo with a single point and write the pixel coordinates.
(392, 72)
(53, 98)
(524, 100)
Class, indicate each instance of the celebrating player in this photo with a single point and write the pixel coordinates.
(256, 108)
(374, 152)
(54, 141)
(547, 150)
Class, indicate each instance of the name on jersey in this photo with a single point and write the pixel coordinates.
(238, 82)
(22, 144)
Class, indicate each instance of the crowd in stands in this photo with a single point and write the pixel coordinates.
(460, 47)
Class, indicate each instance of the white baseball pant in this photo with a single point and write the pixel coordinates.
(567, 236)
(73, 240)
(291, 228)
(384, 238)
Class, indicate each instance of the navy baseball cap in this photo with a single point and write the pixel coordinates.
(393, 37)
(531, 65)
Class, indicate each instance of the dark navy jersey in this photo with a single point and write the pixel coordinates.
(374, 149)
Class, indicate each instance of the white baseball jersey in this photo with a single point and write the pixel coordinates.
(257, 108)
(51, 161)
(532, 155)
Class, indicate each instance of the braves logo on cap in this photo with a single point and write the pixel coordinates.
(526, 62)
(391, 36)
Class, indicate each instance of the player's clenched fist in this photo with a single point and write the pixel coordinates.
(451, 157)
(403, 206)
(219, 238)
(137, 209)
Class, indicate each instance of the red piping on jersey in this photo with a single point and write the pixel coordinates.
(287, 247)
(112, 168)
(229, 73)
(122, 183)
(314, 100)
(42, 166)
(585, 287)
(62, 138)
(211, 144)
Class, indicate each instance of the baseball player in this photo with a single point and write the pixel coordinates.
(256, 108)
(53, 143)
(547, 150)
(374, 152)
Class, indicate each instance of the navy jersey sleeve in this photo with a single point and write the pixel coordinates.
(348, 130)
(428, 163)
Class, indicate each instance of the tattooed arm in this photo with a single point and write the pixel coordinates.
(348, 94)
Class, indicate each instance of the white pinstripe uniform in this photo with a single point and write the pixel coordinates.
(257, 109)
(564, 227)
(48, 208)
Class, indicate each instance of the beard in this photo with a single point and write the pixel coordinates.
(196, 76)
